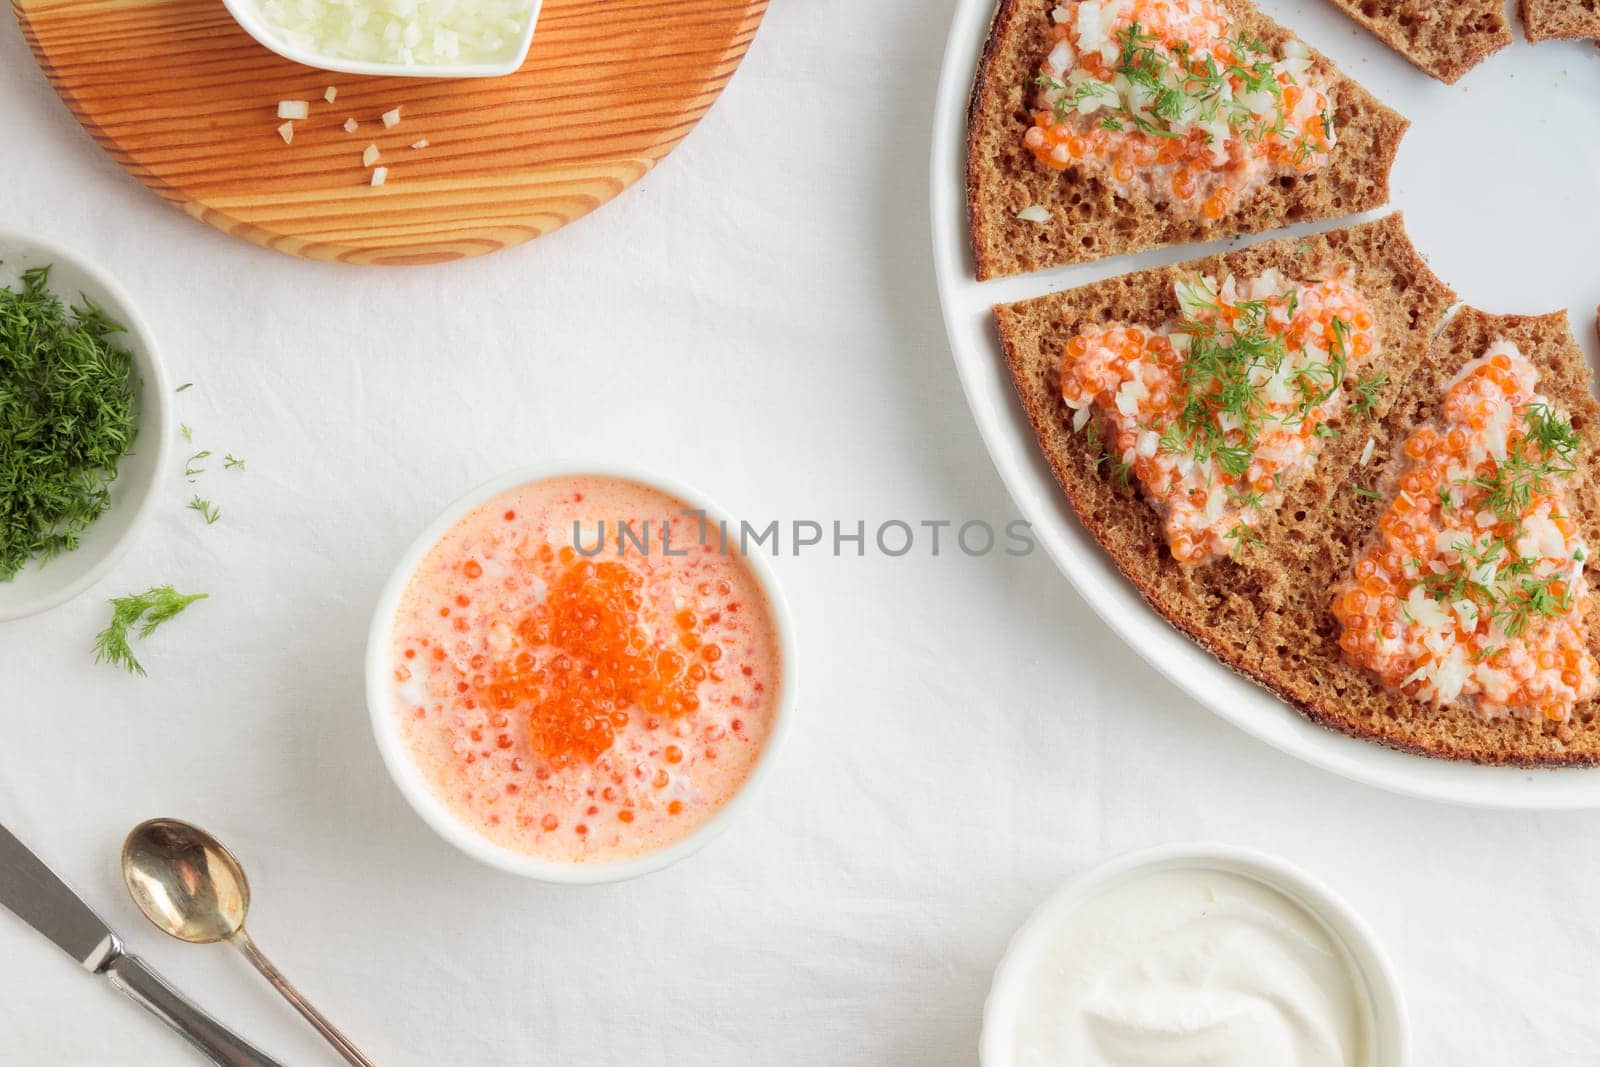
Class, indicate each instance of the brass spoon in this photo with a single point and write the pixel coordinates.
(193, 888)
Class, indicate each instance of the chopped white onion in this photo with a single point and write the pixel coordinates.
(420, 144)
(369, 156)
(330, 94)
(286, 131)
(409, 32)
(391, 118)
(351, 125)
(380, 175)
(1034, 213)
(293, 109)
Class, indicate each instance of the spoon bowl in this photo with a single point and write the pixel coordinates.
(185, 881)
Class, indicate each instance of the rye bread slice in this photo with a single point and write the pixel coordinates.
(1545, 20)
(1444, 38)
(1348, 698)
(1088, 220)
(1267, 613)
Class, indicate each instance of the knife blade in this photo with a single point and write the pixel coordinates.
(34, 893)
(37, 897)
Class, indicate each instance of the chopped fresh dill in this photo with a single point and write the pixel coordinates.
(1532, 598)
(1543, 452)
(1218, 384)
(147, 610)
(1331, 374)
(1242, 535)
(68, 415)
(1368, 386)
(209, 511)
(1120, 471)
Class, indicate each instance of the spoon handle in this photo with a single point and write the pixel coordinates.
(346, 1048)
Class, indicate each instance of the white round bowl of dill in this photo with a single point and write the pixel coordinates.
(84, 439)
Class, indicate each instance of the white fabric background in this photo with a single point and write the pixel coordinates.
(757, 317)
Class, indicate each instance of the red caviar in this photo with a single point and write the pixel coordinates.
(592, 661)
(1472, 589)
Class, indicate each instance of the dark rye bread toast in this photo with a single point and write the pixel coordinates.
(1267, 613)
(1444, 38)
(1545, 20)
(1088, 220)
(1346, 698)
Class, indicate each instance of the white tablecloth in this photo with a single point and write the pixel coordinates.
(756, 317)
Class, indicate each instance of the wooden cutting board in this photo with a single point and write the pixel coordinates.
(187, 102)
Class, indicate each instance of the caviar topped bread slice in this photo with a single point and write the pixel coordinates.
(1460, 728)
(1280, 607)
(1549, 19)
(1496, 624)
(1103, 127)
(1444, 38)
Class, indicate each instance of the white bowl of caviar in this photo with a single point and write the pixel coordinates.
(85, 419)
(401, 38)
(577, 675)
(1195, 953)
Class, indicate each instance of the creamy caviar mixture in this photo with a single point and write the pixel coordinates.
(1166, 97)
(576, 695)
(1190, 968)
(1216, 413)
(1472, 589)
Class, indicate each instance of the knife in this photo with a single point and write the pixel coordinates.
(44, 902)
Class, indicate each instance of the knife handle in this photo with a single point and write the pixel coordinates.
(144, 987)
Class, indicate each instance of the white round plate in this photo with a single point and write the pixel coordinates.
(40, 586)
(1496, 179)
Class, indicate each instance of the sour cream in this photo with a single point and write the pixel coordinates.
(1190, 968)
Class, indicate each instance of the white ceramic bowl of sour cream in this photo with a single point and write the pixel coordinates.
(1313, 920)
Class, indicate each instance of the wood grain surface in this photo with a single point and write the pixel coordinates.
(187, 102)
